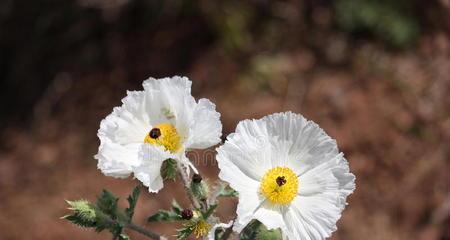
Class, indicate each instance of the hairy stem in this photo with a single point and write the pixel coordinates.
(144, 231)
(186, 182)
(136, 228)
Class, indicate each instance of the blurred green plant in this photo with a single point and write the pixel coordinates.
(387, 20)
(231, 22)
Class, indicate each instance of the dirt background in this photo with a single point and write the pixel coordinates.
(373, 74)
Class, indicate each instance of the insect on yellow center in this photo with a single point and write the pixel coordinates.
(165, 135)
(279, 185)
(201, 228)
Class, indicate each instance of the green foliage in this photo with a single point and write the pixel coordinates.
(107, 203)
(175, 214)
(169, 169)
(132, 200)
(189, 226)
(84, 213)
(250, 231)
(218, 234)
(199, 190)
(186, 231)
(387, 20)
(87, 215)
(256, 230)
(167, 215)
(264, 234)
(209, 212)
(225, 191)
(104, 214)
(176, 207)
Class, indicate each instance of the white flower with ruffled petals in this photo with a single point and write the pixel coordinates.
(161, 122)
(289, 174)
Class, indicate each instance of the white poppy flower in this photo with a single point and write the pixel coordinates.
(289, 175)
(163, 121)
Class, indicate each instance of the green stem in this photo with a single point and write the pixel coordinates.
(186, 183)
(136, 228)
(143, 231)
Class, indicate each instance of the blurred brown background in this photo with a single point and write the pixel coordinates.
(374, 74)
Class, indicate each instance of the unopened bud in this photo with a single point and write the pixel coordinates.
(197, 178)
(187, 214)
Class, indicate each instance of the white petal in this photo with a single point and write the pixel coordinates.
(128, 123)
(311, 217)
(237, 177)
(253, 206)
(331, 178)
(270, 216)
(248, 149)
(212, 232)
(175, 102)
(180, 85)
(206, 127)
(116, 160)
(295, 228)
(149, 169)
(249, 202)
(307, 144)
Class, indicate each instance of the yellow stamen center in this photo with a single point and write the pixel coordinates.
(279, 185)
(165, 135)
(201, 228)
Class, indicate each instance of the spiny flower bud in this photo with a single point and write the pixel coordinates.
(187, 214)
(83, 214)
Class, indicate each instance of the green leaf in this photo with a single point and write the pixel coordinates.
(107, 203)
(168, 215)
(226, 191)
(199, 190)
(185, 232)
(256, 230)
(169, 169)
(264, 234)
(116, 231)
(132, 201)
(250, 232)
(80, 221)
(176, 207)
(165, 216)
(209, 211)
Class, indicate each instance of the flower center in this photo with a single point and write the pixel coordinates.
(165, 135)
(279, 185)
(201, 228)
